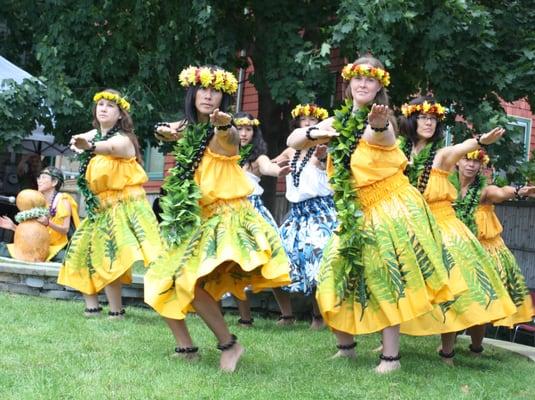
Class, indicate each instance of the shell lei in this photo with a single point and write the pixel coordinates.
(32, 213)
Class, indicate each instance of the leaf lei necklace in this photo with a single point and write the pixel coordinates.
(91, 201)
(180, 205)
(465, 207)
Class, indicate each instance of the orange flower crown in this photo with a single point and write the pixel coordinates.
(479, 155)
(310, 110)
(218, 79)
(351, 70)
(424, 108)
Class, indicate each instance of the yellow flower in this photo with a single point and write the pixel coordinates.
(205, 77)
(120, 101)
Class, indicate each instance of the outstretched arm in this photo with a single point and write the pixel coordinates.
(317, 134)
(226, 139)
(449, 156)
(272, 168)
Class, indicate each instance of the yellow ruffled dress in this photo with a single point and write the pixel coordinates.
(233, 248)
(58, 240)
(489, 234)
(123, 234)
(404, 274)
(486, 299)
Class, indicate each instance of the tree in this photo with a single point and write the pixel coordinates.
(469, 54)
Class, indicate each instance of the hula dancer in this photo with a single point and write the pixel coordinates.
(255, 163)
(384, 264)
(485, 299)
(312, 217)
(217, 242)
(120, 231)
(475, 207)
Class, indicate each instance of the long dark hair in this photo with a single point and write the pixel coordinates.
(189, 102)
(126, 125)
(258, 142)
(408, 126)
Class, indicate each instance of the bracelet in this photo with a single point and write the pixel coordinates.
(478, 140)
(379, 130)
(158, 124)
(517, 189)
(93, 147)
(309, 130)
(223, 127)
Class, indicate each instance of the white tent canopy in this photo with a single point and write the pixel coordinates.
(38, 142)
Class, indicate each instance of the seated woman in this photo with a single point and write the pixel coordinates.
(62, 208)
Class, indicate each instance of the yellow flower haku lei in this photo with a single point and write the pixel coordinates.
(120, 101)
(478, 155)
(425, 108)
(218, 79)
(246, 121)
(351, 70)
(310, 110)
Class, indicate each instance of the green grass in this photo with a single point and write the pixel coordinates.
(50, 351)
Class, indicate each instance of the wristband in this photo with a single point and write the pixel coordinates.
(309, 130)
(379, 130)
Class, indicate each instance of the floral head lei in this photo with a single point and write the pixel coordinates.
(120, 101)
(478, 155)
(351, 70)
(425, 108)
(218, 79)
(310, 110)
(246, 122)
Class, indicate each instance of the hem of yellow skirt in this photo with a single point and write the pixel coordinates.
(525, 313)
(434, 322)
(345, 318)
(88, 285)
(170, 307)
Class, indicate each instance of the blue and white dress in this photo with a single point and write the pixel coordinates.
(256, 199)
(308, 226)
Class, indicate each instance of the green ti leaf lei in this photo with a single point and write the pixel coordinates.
(350, 127)
(415, 169)
(32, 213)
(180, 205)
(245, 152)
(91, 201)
(465, 208)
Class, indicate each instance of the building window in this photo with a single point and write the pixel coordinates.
(521, 132)
(153, 163)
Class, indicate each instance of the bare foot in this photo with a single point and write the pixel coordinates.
(386, 367)
(317, 324)
(448, 361)
(229, 358)
(345, 354)
(286, 320)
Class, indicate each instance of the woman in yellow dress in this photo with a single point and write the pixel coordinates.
(384, 264)
(63, 213)
(467, 261)
(475, 207)
(217, 242)
(120, 231)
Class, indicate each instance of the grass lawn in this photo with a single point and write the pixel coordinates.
(50, 351)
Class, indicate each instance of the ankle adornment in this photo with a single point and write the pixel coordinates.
(446, 355)
(228, 346)
(389, 358)
(186, 350)
(246, 321)
(349, 346)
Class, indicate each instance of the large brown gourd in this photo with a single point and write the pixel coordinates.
(32, 240)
